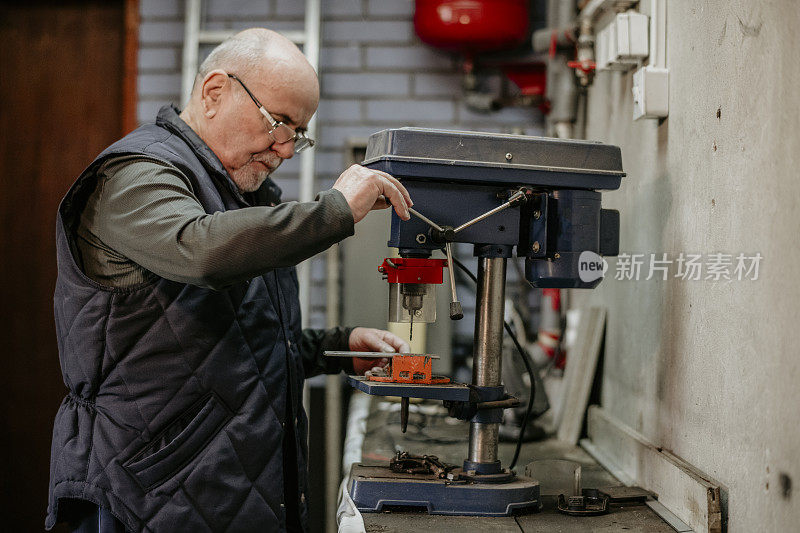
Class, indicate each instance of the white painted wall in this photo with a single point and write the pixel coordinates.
(711, 370)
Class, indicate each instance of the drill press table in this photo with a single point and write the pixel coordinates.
(447, 438)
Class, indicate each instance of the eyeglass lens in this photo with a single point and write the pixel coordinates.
(283, 133)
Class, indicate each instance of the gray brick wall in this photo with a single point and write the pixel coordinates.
(375, 73)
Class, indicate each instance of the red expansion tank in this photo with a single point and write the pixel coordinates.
(472, 26)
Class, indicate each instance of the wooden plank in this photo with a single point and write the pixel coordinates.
(683, 489)
(622, 518)
(579, 373)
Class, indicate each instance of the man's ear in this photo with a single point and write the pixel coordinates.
(213, 88)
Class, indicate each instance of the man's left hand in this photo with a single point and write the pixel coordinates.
(374, 340)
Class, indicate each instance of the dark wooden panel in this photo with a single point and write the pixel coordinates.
(61, 87)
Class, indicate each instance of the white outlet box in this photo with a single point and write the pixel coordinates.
(650, 93)
(623, 43)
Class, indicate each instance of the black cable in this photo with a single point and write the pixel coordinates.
(525, 359)
(529, 368)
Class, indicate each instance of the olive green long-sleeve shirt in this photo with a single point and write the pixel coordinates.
(144, 220)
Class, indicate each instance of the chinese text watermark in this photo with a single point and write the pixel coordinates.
(691, 267)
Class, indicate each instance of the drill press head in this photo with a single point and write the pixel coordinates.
(456, 176)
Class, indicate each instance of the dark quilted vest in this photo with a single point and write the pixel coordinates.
(177, 402)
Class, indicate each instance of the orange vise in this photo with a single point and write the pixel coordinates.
(415, 369)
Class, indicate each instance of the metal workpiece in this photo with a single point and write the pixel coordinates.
(487, 351)
(374, 355)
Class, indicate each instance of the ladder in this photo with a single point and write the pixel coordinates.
(309, 39)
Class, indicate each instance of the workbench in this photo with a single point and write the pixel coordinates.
(374, 436)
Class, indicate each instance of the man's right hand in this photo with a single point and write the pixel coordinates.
(366, 189)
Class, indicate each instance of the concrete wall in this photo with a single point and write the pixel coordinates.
(710, 369)
(375, 74)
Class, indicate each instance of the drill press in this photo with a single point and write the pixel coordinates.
(497, 192)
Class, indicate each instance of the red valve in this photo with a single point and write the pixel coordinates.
(587, 65)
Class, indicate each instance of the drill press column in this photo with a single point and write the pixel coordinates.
(487, 352)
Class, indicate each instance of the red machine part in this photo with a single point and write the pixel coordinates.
(472, 26)
(413, 270)
(417, 369)
(549, 336)
(531, 79)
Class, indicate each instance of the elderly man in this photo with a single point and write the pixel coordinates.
(177, 314)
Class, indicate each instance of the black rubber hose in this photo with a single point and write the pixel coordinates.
(528, 366)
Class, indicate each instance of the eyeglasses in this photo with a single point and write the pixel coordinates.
(280, 132)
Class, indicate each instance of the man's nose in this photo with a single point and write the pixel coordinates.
(284, 150)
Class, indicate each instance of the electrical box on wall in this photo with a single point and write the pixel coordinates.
(650, 93)
(651, 82)
(623, 43)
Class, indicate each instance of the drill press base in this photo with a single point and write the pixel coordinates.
(376, 488)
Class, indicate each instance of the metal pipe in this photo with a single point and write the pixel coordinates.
(483, 442)
(658, 33)
(561, 89)
(543, 39)
(488, 350)
(595, 8)
(333, 397)
(308, 157)
(306, 194)
(191, 28)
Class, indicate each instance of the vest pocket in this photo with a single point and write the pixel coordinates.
(179, 443)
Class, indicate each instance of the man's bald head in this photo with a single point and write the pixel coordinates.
(259, 53)
(221, 112)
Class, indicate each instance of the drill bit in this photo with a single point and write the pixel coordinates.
(411, 328)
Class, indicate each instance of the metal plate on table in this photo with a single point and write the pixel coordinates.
(623, 493)
(457, 392)
(374, 355)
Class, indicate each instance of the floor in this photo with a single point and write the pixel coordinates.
(431, 432)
